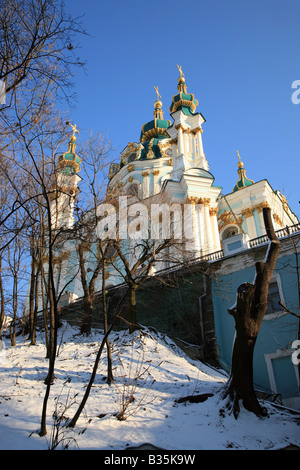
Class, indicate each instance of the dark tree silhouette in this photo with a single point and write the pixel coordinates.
(248, 313)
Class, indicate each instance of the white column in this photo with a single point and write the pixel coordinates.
(155, 181)
(180, 141)
(215, 229)
(174, 154)
(145, 175)
(200, 145)
(194, 150)
(208, 230)
(251, 228)
(196, 231)
(201, 226)
(201, 156)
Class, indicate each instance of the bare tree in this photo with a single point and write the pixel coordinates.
(248, 313)
(38, 53)
(15, 259)
(93, 254)
(81, 406)
(147, 250)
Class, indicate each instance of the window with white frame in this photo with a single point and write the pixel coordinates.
(274, 296)
(230, 231)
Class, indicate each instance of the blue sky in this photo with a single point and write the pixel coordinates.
(239, 57)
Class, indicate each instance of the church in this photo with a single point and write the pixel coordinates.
(228, 233)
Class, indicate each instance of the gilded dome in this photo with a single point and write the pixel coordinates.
(69, 162)
(184, 101)
(157, 128)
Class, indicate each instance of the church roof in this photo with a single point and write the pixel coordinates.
(243, 181)
(69, 162)
(154, 131)
(184, 101)
(158, 126)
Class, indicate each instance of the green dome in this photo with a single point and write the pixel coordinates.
(243, 181)
(69, 162)
(151, 148)
(184, 101)
(157, 128)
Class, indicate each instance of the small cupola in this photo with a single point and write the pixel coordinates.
(183, 101)
(243, 181)
(69, 162)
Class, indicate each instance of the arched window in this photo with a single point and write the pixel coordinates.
(131, 157)
(230, 232)
(133, 190)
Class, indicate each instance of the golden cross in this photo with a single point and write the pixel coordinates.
(158, 95)
(180, 70)
(74, 129)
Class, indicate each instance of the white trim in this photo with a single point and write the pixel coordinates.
(223, 230)
(279, 313)
(272, 356)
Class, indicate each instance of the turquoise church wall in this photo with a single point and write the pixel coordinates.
(275, 334)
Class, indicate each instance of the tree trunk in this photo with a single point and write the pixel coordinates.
(248, 312)
(110, 377)
(33, 281)
(86, 323)
(132, 309)
(34, 317)
(2, 311)
(52, 342)
(240, 384)
(74, 420)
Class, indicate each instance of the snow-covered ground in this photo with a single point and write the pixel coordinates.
(148, 367)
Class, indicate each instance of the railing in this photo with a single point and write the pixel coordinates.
(283, 232)
(216, 255)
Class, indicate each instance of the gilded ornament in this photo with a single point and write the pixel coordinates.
(259, 207)
(150, 153)
(192, 200)
(197, 129)
(278, 219)
(213, 211)
(74, 128)
(227, 218)
(157, 93)
(248, 212)
(180, 71)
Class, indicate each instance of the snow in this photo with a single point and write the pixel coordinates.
(146, 365)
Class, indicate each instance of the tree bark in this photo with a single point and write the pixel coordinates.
(132, 319)
(74, 420)
(2, 311)
(110, 377)
(248, 312)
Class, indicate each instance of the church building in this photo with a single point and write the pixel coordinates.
(228, 230)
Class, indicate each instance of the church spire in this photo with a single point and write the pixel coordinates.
(157, 128)
(69, 162)
(243, 181)
(66, 185)
(158, 112)
(184, 101)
